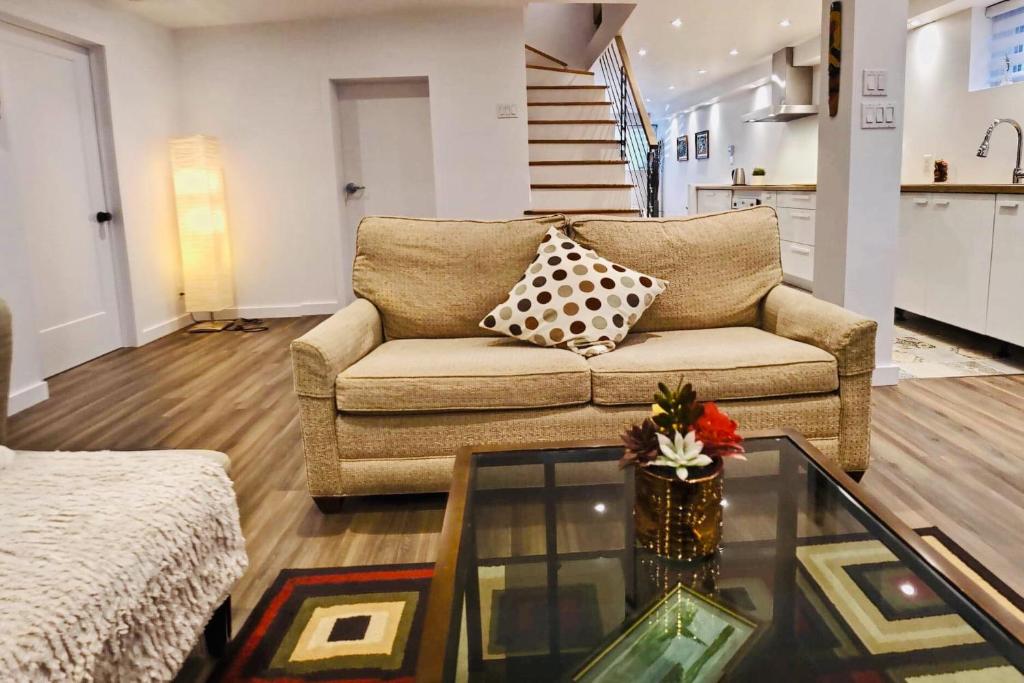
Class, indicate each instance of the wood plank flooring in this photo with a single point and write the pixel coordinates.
(948, 452)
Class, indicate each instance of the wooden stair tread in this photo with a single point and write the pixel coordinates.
(560, 69)
(565, 122)
(580, 186)
(574, 142)
(545, 55)
(566, 87)
(581, 103)
(579, 162)
(548, 212)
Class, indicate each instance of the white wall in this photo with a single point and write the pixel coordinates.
(787, 151)
(944, 118)
(562, 30)
(141, 76)
(265, 91)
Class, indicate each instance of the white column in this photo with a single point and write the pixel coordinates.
(858, 207)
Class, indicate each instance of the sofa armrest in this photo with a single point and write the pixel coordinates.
(333, 345)
(799, 316)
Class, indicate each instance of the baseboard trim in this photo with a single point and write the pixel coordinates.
(286, 311)
(154, 332)
(886, 376)
(27, 397)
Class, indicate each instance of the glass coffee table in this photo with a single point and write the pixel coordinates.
(538, 579)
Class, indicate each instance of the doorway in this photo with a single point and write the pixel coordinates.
(52, 195)
(385, 155)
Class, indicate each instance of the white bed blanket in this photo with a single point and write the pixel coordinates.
(111, 562)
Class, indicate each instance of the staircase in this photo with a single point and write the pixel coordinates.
(578, 162)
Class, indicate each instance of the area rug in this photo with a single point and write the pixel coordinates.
(339, 624)
(927, 349)
(365, 624)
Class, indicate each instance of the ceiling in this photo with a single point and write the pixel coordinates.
(709, 30)
(196, 13)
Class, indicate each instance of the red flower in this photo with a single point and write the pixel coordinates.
(717, 432)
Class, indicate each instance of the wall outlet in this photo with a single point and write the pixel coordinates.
(876, 82)
(508, 111)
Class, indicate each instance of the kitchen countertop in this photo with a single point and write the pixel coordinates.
(958, 188)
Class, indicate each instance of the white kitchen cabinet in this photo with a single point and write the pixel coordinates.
(1006, 289)
(713, 201)
(796, 225)
(912, 266)
(798, 264)
(945, 257)
(797, 200)
(960, 243)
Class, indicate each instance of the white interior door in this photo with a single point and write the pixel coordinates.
(48, 132)
(385, 145)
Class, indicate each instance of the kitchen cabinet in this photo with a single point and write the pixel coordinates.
(945, 257)
(714, 201)
(796, 225)
(1006, 288)
(797, 200)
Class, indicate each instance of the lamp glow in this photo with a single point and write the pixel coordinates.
(202, 223)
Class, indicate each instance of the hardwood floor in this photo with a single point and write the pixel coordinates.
(948, 452)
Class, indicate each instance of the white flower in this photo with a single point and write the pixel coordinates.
(684, 452)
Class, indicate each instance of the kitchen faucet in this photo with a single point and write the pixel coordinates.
(1018, 173)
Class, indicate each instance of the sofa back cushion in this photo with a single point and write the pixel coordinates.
(719, 267)
(438, 278)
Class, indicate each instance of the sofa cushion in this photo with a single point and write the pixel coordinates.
(719, 266)
(439, 278)
(478, 373)
(724, 363)
(570, 295)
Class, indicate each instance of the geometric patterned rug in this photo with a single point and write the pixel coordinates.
(334, 624)
(365, 624)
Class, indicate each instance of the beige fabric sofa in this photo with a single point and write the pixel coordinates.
(394, 384)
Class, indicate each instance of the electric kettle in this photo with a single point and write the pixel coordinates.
(739, 176)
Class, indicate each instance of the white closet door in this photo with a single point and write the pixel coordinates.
(49, 142)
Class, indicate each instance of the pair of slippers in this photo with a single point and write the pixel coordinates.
(246, 325)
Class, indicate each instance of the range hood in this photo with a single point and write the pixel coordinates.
(791, 92)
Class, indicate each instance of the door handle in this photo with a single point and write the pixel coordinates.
(104, 216)
(941, 202)
(1009, 205)
(921, 202)
(352, 188)
(804, 251)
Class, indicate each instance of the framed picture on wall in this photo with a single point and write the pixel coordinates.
(702, 141)
(683, 148)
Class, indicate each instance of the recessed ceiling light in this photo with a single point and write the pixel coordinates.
(908, 589)
(734, 52)
(785, 23)
(677, 22)
(600, 507)
(702, 71)
(671, 87)
(641, 52)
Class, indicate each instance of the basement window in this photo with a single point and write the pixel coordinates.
(1002, 26)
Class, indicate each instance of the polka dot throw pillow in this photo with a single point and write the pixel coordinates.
(569, 295)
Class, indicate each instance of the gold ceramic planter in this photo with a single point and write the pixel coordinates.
(678, 519)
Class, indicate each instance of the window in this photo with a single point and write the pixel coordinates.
(1005, 49)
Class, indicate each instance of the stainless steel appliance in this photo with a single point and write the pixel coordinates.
(739, 176)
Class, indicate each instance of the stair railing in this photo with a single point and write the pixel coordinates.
(638, 145)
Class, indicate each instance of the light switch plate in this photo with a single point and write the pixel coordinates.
(876, 82)
(878, 114)
(508, 111)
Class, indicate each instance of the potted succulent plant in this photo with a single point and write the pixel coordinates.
(758, 176)
(677, 455)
